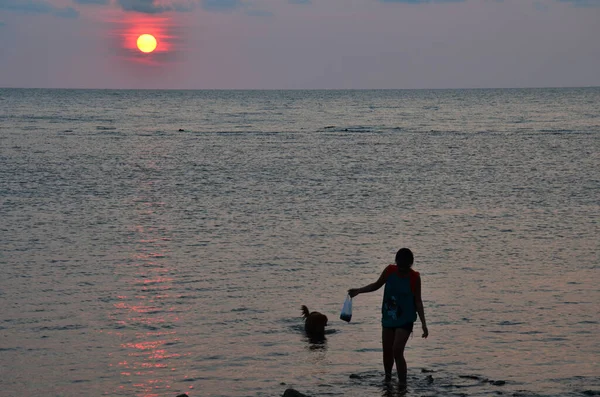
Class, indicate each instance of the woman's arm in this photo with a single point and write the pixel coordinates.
(368, 288)
(419, 307)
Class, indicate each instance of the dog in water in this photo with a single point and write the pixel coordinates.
(314, 323)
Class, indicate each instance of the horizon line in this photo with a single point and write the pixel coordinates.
(297, 89)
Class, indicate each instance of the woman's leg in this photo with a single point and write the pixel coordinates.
(400, 339)
(387, 339)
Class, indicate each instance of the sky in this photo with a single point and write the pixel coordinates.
(300, 44)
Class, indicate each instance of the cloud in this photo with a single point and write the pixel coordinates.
(582, 3)
(98, 2)
(161, 6)
(153, 7)
(299, 1)
(67, 12)
(37, 7)
(259, 13)
(221, 5)
(421, 1)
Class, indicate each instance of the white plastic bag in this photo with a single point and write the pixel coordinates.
(346, 313)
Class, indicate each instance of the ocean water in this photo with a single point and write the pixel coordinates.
(161, 242)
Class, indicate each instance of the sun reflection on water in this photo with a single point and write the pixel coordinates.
(145, 316)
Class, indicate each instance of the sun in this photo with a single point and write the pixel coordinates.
(146, 43)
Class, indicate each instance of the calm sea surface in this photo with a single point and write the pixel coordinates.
(160, 242)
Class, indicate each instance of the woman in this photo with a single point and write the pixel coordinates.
(401, 304)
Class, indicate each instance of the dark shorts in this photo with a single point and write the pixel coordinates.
(407, 327)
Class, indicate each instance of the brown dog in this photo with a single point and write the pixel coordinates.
(314, 323)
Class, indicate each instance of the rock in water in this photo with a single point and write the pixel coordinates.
(293, 393)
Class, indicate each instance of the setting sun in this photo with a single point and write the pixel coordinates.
(146, 43)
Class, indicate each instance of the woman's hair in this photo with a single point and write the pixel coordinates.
(404, 257)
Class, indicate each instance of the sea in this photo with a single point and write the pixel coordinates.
(154, 243)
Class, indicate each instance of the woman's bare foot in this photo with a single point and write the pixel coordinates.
(402, 380)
